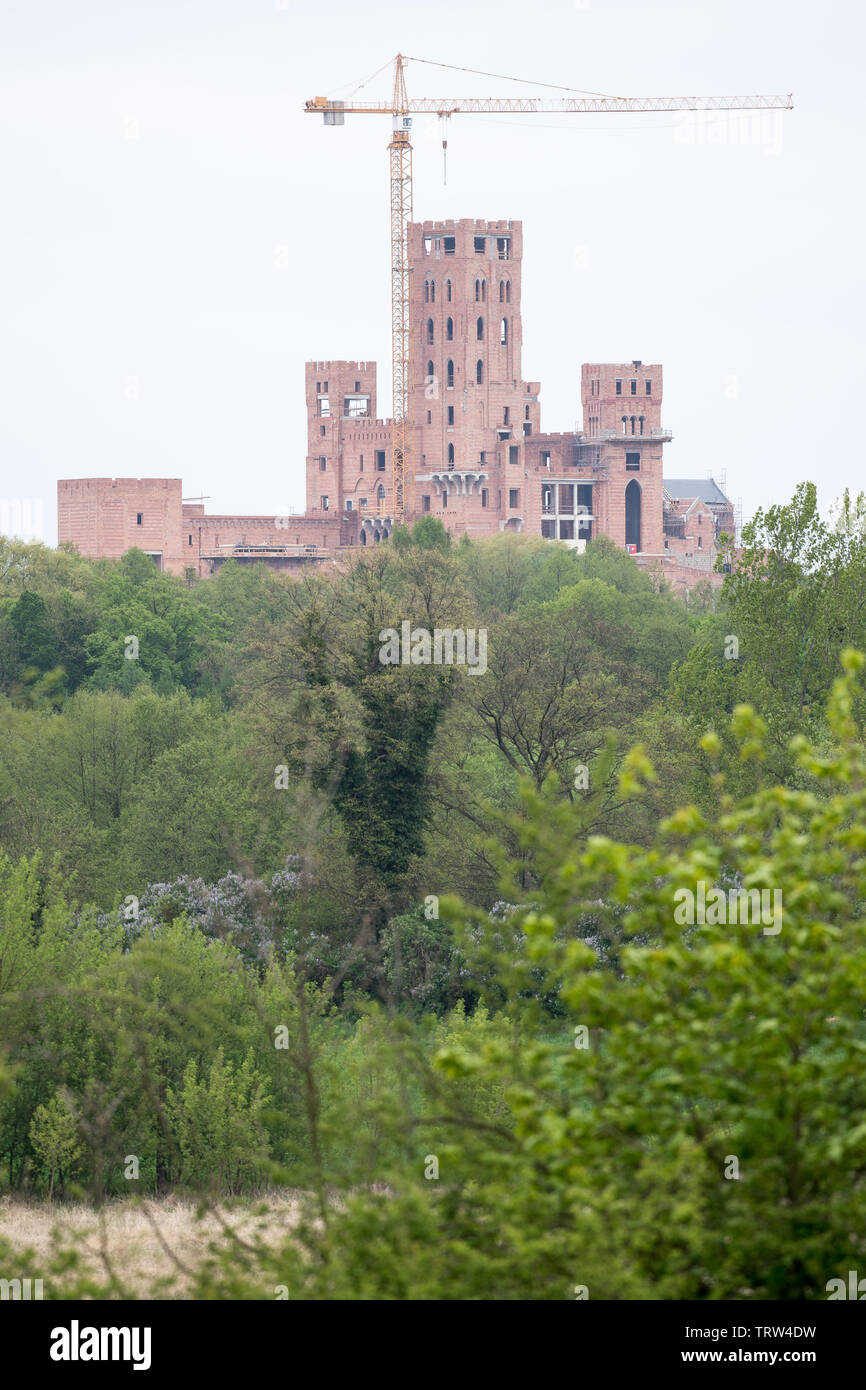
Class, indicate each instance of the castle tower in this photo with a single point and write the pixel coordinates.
(471, 408)
(622, 416)
(348, 448)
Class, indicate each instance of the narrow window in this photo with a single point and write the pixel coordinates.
(624, 424)
(479, 372)
(514, 497)
(450, 373)
(425, 502)
(324, 502)
(480, 245)
(477, 291)
(451, 415)
(429, 330)
(432, 291)
(430, 373)
(503, 332)
(380, 460)
(649, 387)
(513, 453)
(325, 387)
(322, 429)
(632, 424)
(449, 245)
(448, 290)
(479, 329)
(641, 424)
(323, 464)
(426, 291)
(349, 504)
(361, 464)
(444, 498)
(483, 291)
(700, 542)
(357, 387)
(380, 492)
(429, 417)
(634, 388)
(619, 388)
(507, 291)
(449, 330)
(450, 455)
(190, 540)
(526, 412)
(501, 291)
(506, 415)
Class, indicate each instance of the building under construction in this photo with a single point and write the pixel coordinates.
(479, 457)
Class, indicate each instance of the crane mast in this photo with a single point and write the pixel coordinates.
(401, 110)
(400, 154)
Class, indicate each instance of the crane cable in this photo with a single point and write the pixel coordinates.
(503, 77)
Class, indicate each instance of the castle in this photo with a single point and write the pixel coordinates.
(479, 460)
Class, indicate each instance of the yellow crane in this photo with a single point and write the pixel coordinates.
(401, 110)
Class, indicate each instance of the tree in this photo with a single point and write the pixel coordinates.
(55, 1141)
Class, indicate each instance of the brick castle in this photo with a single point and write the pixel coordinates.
(480, 460)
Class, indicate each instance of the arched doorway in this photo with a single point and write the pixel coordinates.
(632, 514)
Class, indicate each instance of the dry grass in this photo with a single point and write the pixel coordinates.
(142, 1252)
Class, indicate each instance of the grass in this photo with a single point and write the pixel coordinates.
(153, 1246)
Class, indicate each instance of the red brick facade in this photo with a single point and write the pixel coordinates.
(479, 460)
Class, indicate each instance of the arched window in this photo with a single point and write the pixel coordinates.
(503, 332)
(507, 291)
(483, 291)
(641, 424)
(450, 372)
(363, 537)
(430, 372)
(478, 290)
(449, 330)
(624, 423)
(380, 492)
(429, 330)
(448, 290)
(432, 291)
(426, 291)
(479, 329)
(501, 291)
(632, 424)
(479, 372)
(632, 513)
(450, 455)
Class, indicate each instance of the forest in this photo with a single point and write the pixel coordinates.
(399, 938)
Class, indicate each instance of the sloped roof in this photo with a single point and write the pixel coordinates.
(705, 488)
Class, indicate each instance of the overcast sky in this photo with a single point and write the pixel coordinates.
(178, 237)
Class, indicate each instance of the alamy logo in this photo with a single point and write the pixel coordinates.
(20, 1288)
(853, 1289)
(76, 1343)
(746, 906)
(445, 645)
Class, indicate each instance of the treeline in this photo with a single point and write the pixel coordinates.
(273, 911)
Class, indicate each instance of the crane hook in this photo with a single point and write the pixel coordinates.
(443, 117)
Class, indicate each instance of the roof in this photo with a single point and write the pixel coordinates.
(705, 488)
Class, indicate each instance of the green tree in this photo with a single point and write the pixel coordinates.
(55, 1141)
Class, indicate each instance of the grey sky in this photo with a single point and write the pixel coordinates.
(178, 238)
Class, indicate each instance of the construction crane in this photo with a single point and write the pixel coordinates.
(401, 110)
